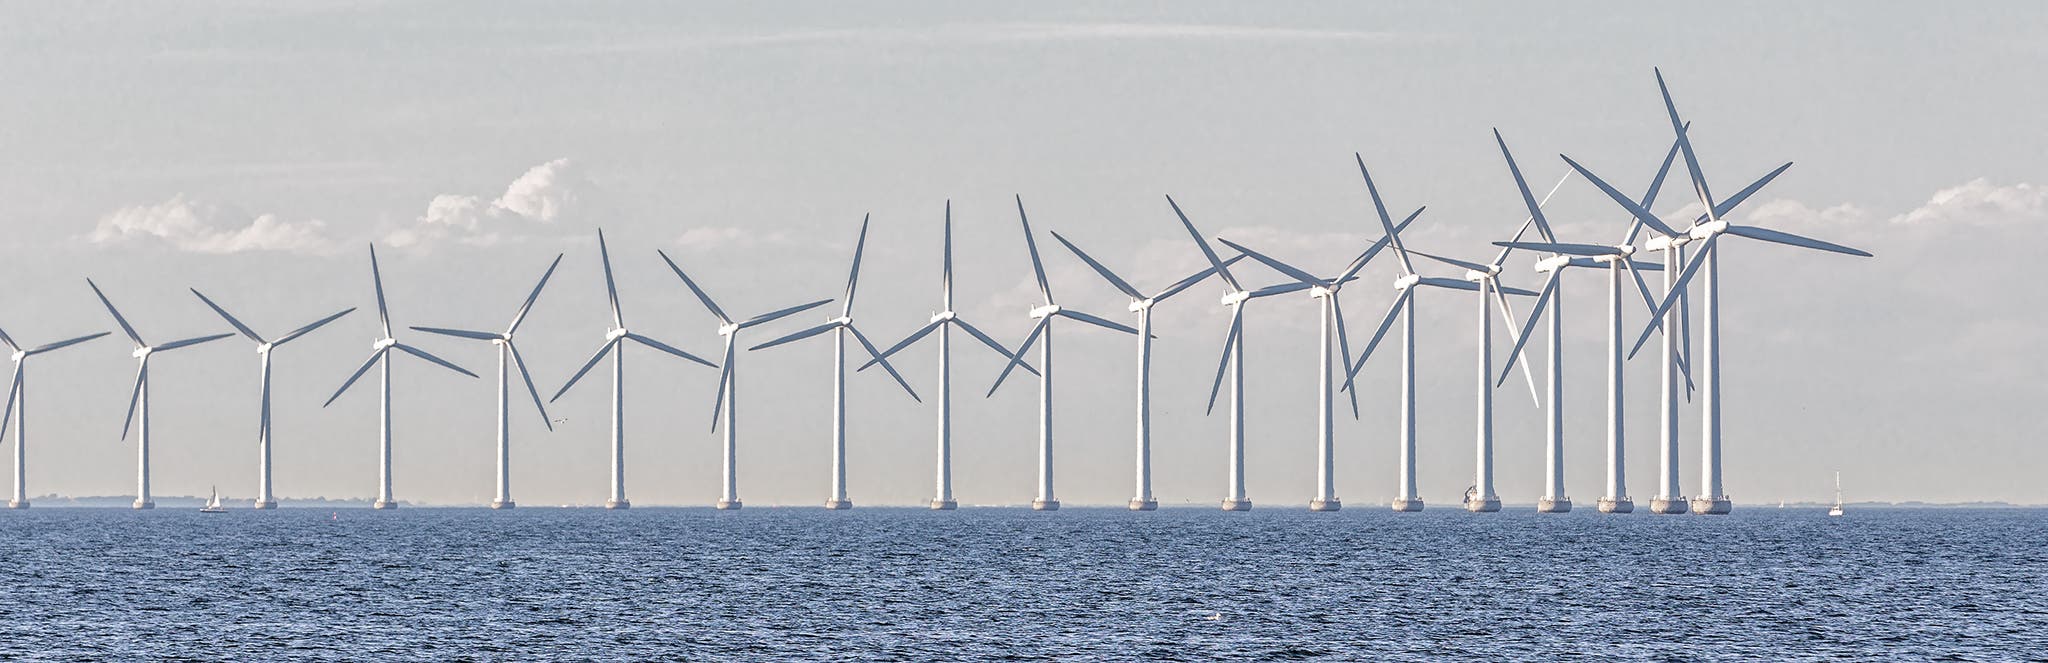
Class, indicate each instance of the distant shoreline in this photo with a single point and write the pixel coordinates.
(184, 501)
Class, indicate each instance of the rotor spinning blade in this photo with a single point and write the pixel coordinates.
(237, 324)
(993, 345)
(611, 289)
(1114, 280)
(798, 336)
(1507, 314)
(861, 245)
(906, 342)
(530, 298)
(601, 352)
(1192, 279)
(1097, 321)
(1343, 344)
(1641, 214)
(766, 318)
(377, 280)
(117, 315)
(1229, 341)
(664, 347)
(423, 354)
(52, 347)
(1768, 235)
(316, 324)
(870, 347)
(460, 333)
(7, 415)
(189, 342)
(519, 362)
(1351, 374)
(135, 394)
(1018, 358)
(1281, 267)
(699, 292)
(1031, 244)
(724, 382)
(374, 356)
(1221, 269)
(1529, 328)
(1677, 291)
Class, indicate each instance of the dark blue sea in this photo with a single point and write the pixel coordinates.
(977, 584)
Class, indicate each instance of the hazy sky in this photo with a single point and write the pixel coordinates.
(253, 151)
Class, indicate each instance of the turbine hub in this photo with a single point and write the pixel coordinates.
(1236, 298)
(1140, 305)
(1045, 311)
(384, 343)
(1323, 291)
(142, 352)
(728, 329)
(944, 316)
(1553, 263)
(19, 355)
(263, 348)
(614, 335)
(1709, 229)
(1407, 282)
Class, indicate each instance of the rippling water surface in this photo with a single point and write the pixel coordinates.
(873, 583)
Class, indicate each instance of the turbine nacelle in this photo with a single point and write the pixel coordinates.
(1045, 311)
(1407, 282)
(1323, 291)
(1142, 305)
(1708, 230)
(728, 329)
(20, 355)
(142, 352)
(944, 316)
(264, 348)
(1553, 263)
(1477, 276)
(1662, 243)
(1236, 298)
(615, 334)
(383, 344)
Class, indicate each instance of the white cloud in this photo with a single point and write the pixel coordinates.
(729, 237)
(1979, 202)
(200, 227)
(541, 196)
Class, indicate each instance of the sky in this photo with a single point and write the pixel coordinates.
(254, 151)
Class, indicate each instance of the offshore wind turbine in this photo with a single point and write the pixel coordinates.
(840, 327)
(1403, 309)
(942, 322)
(1332, 317)
(265, 498)
(17, 408)
(727, 400)
(1708, 230)
(615, 345)
(508, 354)
(1235, 296)
(1614, 259)
(1141, 304)
(1046, 500)
(380, 356)
(138, 398)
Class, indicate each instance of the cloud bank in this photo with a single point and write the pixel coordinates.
(200, 227)
(542, 196)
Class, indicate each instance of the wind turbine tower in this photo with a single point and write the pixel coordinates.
(265, 498)
(138, 398)
(17, 407)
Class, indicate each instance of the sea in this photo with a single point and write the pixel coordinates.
(1179, 584)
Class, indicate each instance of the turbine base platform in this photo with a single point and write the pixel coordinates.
(944, 505)
(1237, 505)
(729, 505)
(1712, 506)
(1617, 505)
(383, 505)
(1045, 505)
(1483, 505)
(1331, 504)
(1554, 505)
(17, 504)
(1144, 504)
(504, 504)
(838, 505)
(264, 506)
(1667, 505)
(143, 505)
(621, 503)
(1407, 504)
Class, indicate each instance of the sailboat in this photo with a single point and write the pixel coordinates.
(1836, 510)
(213, 504)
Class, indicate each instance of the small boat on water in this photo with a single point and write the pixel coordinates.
(1836, 510)
(213, 504)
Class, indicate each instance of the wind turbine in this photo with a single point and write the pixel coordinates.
(17, 408)
(615, 345)
(1046, 501)
(139, 396)
(840, 327)
(1332, 317)
(508, 354)
(1142, 305)
(1234, 297)
(1614, 259)
(380, 356)
(265, 499)
(1708, 230)
(1479, 280)
(943, 323)
(727, 401)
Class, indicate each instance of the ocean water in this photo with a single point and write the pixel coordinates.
(910, 584)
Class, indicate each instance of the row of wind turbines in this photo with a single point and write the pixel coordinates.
(1669, 320)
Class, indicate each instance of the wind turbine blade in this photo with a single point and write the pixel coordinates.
(1453, 284)
(13, 386)
(1656, 185)
(1541, 227)
(1454, 262)
(135, 394)
(302, 331)
(9, 340)
(1018, 358)
(377, 280)
(1722, 208)
(1518, 292)
(1284, 268)
(1192, 279)
(1507, 314)
(1641, 214)
(528, 306)
(611, 288)
(1377, 246)
(52, 347)
(461, 333)
(993, 345)
(800, 335)
(1643, 288)
(1677, 291)
(1217, 263)
(1768, 235)
(601, 352)
(117, 315)
(519, 362)
(1528, 199)
(1386, 221)
(365, 368)
(1280, 289)
(1351, 373)
(1097, 321)
(1114, 280)
(766, 318)
(1343, 344)
(1685, 340)
(1031, 244)
(184, 343)
(1229, 341)
(906, 342)
(870, 347)
(664, 347)
(946, 269)
(1692, 162)
(1564, 248)
(1528, 328)
(724, 382)
(701, 297)
(860, 246)
(237, 324)
(423, 354)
